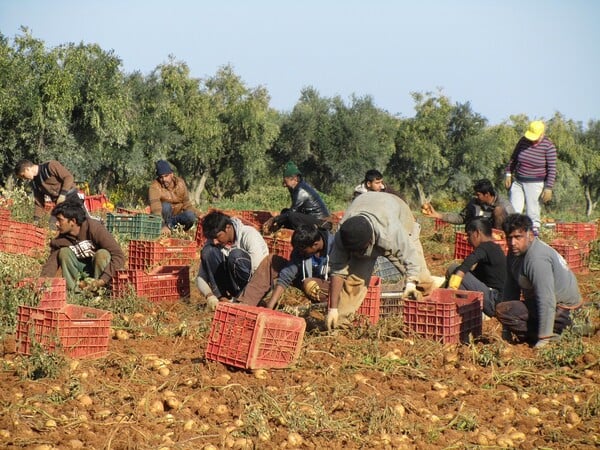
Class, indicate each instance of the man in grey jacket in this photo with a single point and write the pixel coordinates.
(375, 224)
(229, 258)
(541, 274)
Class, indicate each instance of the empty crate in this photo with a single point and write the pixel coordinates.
(164, 252)
(22, 238)
(462, 248)
(162, 284)
(136, 226)
(448, 316)
(251, 337)
(77, 331)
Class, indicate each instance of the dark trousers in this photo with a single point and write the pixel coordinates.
(227, 276)
(522, 321)
(185, 218)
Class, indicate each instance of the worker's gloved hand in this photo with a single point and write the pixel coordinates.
(411, 292)
(332, 318)
(61, 198)
(211, 302)
(508, 181)
(546, 195)
(313, 290)
(454, 282)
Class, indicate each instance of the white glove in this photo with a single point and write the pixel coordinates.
(332, 318)
(61, 198)
(211, 302)
(410, 291)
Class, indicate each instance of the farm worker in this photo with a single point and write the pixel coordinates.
(49, 179)
(531, 172)
(485, 203)
(484, 270)
(541, 275)
(307, 205)
(168, 196)
(373, 182)
(231, 255)
(83, 248)
(375, 224)
(308, 269)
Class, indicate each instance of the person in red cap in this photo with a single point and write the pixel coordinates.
(168, 196)
(531, 172)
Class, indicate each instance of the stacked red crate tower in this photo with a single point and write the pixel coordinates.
(158, 270)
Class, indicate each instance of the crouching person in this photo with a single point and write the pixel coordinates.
(84, 248)
(541, 274)
(307, 270)
(229, 258)
(375, 224)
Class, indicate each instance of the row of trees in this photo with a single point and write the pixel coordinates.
(75, 104)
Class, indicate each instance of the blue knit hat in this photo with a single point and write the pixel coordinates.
(163, 168)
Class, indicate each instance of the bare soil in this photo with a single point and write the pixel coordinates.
(370, 387)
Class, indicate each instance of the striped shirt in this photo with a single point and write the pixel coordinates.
(533, 162)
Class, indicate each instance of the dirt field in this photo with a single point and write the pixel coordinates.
(372, 387)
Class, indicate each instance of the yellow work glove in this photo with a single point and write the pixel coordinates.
(454, 282)
(61, 198)
(508, 181)
(313, 290)
(546, 195)
(332, 318)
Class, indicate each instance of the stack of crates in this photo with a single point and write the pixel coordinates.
(447, 315)
(574, 243)
(251, 337)
(77, 331)
(22, 238)
(462, 248)
(157, 270)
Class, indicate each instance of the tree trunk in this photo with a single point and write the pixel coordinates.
(422, 197)
(590, 204)
(198, 188)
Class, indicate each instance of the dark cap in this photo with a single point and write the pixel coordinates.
(163, 168)
(356, 233)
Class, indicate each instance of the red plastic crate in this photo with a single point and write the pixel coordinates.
(22, 238)
(163, 284)
(447, 315)
(370, 306)
(256, 218)
(251, 337)
(4, 213)
(52, 291)
(164, 252)
(372, 302)
(581, 231)
(462, 248)
(576, 253)
(199, 238)
(280, 243)
(78, 331)
(391, 304)
(95, 202)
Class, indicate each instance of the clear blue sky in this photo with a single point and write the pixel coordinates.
(503, 56)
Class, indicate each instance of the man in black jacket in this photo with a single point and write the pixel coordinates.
(307, 206)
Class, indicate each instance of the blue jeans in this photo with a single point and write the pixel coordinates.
(186, 219)
(228, 275)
